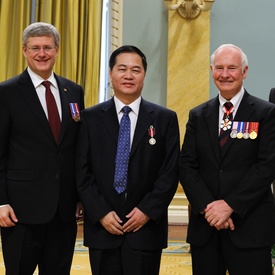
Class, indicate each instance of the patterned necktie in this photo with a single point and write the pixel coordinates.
(53, 115)
(123, 152)
(226, 123)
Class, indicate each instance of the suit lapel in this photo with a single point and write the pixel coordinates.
(29, 93)
(64, 98)
(245, 109)
(110, 119)
(111, 123)
(211, 115)
(145, 118)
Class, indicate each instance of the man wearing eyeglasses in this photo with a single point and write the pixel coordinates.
(39, 116)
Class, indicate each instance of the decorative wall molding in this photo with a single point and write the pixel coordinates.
(116, 20)
(189, 9)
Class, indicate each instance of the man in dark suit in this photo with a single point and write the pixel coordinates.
(39, 203)
(126, 229)
(227, 174)
(272, 99)
(272, 95)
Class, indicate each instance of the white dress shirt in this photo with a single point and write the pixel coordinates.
(133, 115)
(41, 90)
(236, 100)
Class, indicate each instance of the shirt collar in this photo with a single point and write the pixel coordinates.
(236, 100)
(134, 105)
(37, 80)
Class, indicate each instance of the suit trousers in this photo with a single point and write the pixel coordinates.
(49, 246)
(220, 254)
(124, 261)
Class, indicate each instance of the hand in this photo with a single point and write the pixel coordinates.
(217, 213)
(112, 223)
(137, 219)
(79, 213)
(7, 216)
(226, 225)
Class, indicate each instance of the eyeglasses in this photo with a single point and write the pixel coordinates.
(38, 49)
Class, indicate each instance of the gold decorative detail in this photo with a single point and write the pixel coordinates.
(189, 9)
(116, 24)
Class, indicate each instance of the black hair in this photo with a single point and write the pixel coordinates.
(127, 49)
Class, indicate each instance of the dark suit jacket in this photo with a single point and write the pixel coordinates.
(242, 177)
(152, 173)
(272, 95)
(37, 175)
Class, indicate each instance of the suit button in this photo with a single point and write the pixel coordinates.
(57, 176)
(221, 172)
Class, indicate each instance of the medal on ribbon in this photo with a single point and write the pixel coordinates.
(245, 130)
(234, 131)
(246, 133)
(240, 129)
(152, 132)
(253, 129)
(226, 123)
(75, 111)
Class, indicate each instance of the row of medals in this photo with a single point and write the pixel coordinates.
(226, 124)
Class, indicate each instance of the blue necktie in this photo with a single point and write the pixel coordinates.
(123, 151)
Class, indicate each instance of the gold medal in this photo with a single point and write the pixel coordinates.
(240, 129)
(76, 118)
(240, 135)
(253, 129)
(253, 135)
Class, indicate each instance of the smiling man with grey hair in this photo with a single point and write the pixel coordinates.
(226, 168)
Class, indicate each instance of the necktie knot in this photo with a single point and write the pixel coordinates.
(46, 84)
(126, 110)
(228, 105)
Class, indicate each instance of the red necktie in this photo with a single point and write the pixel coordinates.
(226, 123)
(53, 115)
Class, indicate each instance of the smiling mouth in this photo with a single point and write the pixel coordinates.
(128, 84)
(42, 61)
(225, 82)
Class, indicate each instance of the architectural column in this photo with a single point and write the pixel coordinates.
(187, 81)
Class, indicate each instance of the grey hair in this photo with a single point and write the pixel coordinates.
(243, 55)
(40, 29)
